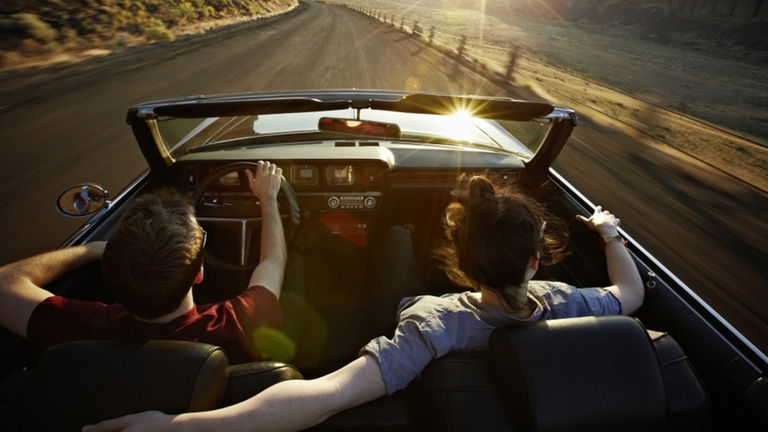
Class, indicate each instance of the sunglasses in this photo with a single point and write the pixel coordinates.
(205, 236)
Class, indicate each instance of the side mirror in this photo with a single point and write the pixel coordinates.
(82, 200)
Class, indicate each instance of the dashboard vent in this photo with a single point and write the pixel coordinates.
(369, 144)
(345, 144)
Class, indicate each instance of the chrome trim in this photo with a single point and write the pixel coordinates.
(105, 206)
(561, 114)
(157, 137)
(145, 113)
(762, 356)
(324, 194)
(245, 241)
(227, 219)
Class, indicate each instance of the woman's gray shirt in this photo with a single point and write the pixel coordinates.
(430, 327)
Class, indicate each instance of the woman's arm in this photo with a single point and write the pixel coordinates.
(286, 406)
(622, 272)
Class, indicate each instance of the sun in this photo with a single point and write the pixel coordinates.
(460, 125)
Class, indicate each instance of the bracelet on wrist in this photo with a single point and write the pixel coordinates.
(605, 239)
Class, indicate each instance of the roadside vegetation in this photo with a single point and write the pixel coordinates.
(39, 32)
(702, 100)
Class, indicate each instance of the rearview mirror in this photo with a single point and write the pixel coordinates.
(82, 200)
(359, 127)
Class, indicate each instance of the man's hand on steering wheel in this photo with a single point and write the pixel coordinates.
(265, 181)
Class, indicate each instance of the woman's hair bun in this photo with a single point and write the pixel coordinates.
(481, 200)
(480, 188)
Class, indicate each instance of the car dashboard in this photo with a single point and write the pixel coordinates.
(351, 189)
(319, 185)
(351, 176)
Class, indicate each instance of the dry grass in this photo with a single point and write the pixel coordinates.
(711, 108)
(44, 32)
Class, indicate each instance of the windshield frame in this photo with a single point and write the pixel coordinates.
(143, 118)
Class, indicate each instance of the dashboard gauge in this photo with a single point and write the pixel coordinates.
(372, 175)
(340, 175)
(304, 175)
(231, 179)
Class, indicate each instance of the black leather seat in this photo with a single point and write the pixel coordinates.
(83, 382)
(581, 373)
(459, 393)
(247, 379)
(591, 373)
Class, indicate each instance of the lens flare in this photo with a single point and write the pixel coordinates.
(460, 125)
(273, 343)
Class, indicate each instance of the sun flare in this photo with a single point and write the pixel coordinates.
(460, 125)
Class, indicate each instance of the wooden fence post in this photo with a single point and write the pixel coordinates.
(462, 46)
(511, 63)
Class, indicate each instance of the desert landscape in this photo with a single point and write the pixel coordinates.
(706, 97)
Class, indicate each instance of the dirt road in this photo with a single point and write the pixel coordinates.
(67, 126)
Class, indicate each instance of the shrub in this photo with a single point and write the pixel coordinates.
(71, 45)
(184, 11)
(8, 26)
(115, 44)
(158, 33)
(49, 47)
(69, 33)
(208, 11)
(30, 46)
(35, 27)
(10, 58)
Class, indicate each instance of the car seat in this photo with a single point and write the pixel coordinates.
(83, 382)
(590, 373)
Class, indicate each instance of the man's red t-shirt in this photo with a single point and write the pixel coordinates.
(230, 324)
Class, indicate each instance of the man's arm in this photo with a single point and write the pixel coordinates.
(286, 406)
(21, 282)
(622, 272)
(265, 184)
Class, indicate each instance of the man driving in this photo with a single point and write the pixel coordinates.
(152, 261)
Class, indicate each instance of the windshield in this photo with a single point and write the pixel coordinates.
(184, 135)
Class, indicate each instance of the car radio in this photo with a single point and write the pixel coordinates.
(348, 201)
(352, 202)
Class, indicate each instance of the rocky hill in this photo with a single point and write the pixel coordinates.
(36, 30)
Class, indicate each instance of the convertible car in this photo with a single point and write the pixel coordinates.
(356, 163)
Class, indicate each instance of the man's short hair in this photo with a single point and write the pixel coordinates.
(151, 260)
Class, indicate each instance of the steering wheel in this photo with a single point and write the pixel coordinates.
(244, 215)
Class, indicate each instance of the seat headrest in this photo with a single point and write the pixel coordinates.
(82, 382)
(589, 373)
(453, 386)
(248, 379)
